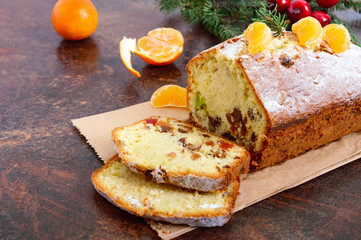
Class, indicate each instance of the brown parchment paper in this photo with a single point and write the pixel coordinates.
(97, 128)
(254, 187)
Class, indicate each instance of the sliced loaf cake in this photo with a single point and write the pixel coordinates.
(178, 153)
(143, 197)
(280, 102)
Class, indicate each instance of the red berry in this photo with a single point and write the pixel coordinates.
(327, 3)
(322, 17)
(281, 5)
(298, 9)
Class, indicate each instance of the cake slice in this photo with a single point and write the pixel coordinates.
(178, 153)
(134, 193)
(280, 102)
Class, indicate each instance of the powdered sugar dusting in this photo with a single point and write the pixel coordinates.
(134, 201)
(317, 79)
(234, 50)
(209, 206)
(282, 97)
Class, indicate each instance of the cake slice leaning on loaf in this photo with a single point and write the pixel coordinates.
(280, 102)
(178, 153)
(136, 194)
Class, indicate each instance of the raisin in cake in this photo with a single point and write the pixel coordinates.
(138, 195)
(278, 103)
(178, 153)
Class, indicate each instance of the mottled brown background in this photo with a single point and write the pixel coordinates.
(45, 168)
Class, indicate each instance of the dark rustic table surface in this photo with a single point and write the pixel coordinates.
(45, 164)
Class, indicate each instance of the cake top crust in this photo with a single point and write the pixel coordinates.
(293, 82)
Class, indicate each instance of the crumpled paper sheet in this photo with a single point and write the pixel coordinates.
(254, 186)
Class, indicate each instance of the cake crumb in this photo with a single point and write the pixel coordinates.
(317, 79)
(282, 97)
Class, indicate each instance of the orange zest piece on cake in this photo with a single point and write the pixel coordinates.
(337, 37)
(309, 32)
(160, 47)
(169, 96)
(259, 36)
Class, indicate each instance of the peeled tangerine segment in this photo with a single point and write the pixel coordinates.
(126, 47)
(309, 32)
(169, 96)
(337, 37)
(260, 44)
(259, 36)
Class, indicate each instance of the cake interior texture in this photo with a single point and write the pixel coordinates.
(176, 147)
(224, 102)
(141, 196)
(278, 103)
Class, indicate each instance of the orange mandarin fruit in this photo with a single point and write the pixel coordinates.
(160, 47)
(337, 37)
(169, 96)
(309, 32)
(74, 19)
(259, 36)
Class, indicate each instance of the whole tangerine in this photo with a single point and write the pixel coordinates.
(75, 19)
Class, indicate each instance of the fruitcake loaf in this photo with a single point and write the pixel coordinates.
(138, 195)
(176, 152)
(280, 102)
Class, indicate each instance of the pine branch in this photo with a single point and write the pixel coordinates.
(229, 31)
(211, 17)
(169, 5)
(223, 18)
(342, 5)
(274, 20)
(191, 11)
(228, 18)
(347, 4)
